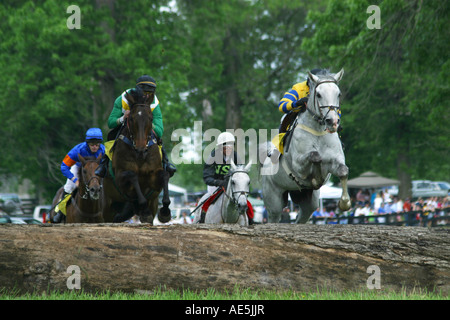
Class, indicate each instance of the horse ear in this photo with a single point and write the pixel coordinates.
(248, 166)
(233, 165)
(338, 76)
(82, 160)
(130, 98)
(313, 77)
(99, 157)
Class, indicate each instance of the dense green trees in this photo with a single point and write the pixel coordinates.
(235, 57)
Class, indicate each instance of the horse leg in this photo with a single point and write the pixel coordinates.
(310, 168)
(344, 203)
(164, 213)
(308, 202)
(126, 213)
(277, 201)
(132, 178)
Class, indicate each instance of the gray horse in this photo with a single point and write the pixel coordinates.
(315, 152)
(231, 206)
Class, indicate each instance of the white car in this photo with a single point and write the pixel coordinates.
(426, 188)
(39, 212)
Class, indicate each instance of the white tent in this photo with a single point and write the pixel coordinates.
(328, 192)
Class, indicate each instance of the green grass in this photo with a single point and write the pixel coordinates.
(236, 294)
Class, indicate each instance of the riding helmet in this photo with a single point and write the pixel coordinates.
(146, 83)
(224, 138)
(94, 134)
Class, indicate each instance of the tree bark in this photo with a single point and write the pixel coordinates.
(303, 258)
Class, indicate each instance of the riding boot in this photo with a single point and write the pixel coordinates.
(102, 167)
(169, 167)
(59, 215)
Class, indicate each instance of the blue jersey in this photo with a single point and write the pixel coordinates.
(72, 157)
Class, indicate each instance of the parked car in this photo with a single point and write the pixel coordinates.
(426, 188)
(39, 212)
(4, 218)
(24, 220)
(10, 203)
(444, 185)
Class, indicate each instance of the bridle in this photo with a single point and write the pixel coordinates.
(151, 139)
(87, 184)
(320, 117)
(232, 198)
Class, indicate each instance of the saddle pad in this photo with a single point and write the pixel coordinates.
(278, 142)
(61, 206)
(109, 149)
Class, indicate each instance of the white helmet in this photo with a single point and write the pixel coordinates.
(225, 137)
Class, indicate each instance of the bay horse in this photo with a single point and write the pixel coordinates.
(137, 176)
(85, 206)
(231, 205)
(315, 151)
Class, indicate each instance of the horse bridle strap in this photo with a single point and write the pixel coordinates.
(321, 118)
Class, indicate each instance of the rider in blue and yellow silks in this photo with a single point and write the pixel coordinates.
(70, 166)
(293, 102)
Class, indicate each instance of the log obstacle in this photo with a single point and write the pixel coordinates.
(130, 258)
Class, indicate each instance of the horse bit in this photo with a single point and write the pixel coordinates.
(321, 118)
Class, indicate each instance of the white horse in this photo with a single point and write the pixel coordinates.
(230, 206)
(315, 151)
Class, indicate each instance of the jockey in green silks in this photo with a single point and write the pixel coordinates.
(120, 112)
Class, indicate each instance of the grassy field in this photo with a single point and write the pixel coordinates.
(236, 294)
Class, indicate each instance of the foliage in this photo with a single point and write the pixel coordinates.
(237, 56)
(396, 84)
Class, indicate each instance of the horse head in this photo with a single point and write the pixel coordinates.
(89, 182)
(140, 120)
(239, 185)
(324, 102)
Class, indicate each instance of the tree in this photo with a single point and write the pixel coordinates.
(395, 84)
(61, 81)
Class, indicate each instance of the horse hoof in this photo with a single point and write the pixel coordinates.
(344, 205)
(164, 215)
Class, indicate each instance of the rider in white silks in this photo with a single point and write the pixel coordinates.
(216, 169)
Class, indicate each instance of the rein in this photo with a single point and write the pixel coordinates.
(321, 118)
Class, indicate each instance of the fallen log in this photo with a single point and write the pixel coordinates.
(130, 258)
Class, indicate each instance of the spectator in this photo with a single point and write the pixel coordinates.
(378, 201)
(285, 217)
(407, 205)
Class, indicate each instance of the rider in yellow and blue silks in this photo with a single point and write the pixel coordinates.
(295, 101)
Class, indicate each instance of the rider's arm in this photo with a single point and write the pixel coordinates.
(70, 160)
(158, 121)
(298, 91)
(116, 113)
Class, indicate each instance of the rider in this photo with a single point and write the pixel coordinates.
(70, 166)
(217, 167)
(295, 101)
(120, 112)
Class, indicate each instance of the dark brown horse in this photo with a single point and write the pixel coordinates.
(137, 177)
(86, 205)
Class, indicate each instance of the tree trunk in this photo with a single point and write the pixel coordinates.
(129, 258)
